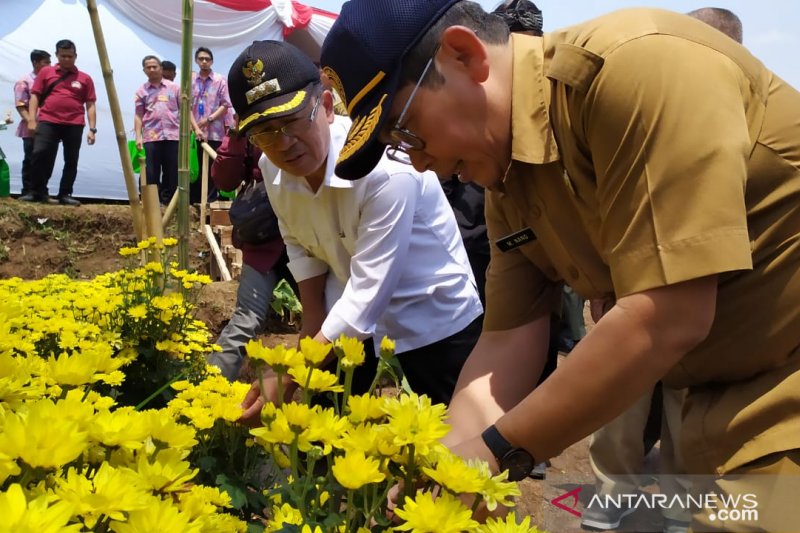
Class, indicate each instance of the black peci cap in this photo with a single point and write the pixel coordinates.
(363, 55)
(270, 79)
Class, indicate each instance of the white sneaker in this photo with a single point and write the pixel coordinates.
(604, 518)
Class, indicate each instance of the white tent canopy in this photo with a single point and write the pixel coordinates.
(132, 30)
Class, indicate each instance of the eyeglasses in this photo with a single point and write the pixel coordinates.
(290, 129)
(403, 141)
(203, 59)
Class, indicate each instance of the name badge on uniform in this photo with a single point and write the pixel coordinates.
(515, 240)
(76, 84)
(163, 98)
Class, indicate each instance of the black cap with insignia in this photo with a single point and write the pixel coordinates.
(363, 55)
(270, 79)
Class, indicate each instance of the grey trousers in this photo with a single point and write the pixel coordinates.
(252, 303)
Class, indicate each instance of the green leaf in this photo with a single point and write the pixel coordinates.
(237, 493)
(207, 463)
(255, 527)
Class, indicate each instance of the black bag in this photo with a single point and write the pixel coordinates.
(254, 221)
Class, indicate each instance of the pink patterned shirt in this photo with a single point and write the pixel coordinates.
(213, 92)
(22, 95)
(158, 106)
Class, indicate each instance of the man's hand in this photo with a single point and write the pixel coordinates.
(199, 134)
(90, 137)
(254, 401)
(139, 143)
(32, 125)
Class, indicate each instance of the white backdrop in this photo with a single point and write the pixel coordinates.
(132, 29)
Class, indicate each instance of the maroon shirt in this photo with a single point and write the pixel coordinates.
(66, 102)
(237, 160)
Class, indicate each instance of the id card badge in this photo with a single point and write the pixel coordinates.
(515, 240)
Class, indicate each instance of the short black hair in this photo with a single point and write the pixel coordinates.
(489, 28)
(168, 65)
(203, 49)
(65, 44)
(722, 19)
(148, 58)
(38, 55)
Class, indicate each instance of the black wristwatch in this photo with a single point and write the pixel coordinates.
(517, 461)
(93, 130)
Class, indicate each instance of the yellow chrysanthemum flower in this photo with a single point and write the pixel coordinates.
(160, 516)
(112, 492)
(509, 525)
(387, 348)
(442, 514)
(282, 516)
(315, 380)
(202, 500)
(314, 351)
(496, 489)
(364, 407)
(280, 358)
(123, 427)
(168, 473)
(350, 351)
(453, 473)
(164, 428)
(415, 420)
(44, 437)
(354, 470)
(35, 516)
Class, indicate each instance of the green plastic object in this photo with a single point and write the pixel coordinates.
(5, 179)
(136, 154)
(194, 163)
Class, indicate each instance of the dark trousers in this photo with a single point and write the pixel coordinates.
(162, 167)
(196, 188)
(431, 370)
(43, 158)
(27, 157)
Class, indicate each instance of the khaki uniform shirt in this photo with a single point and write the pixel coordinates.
(650, 149)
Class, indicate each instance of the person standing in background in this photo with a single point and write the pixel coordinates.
(210, 104)
(168, 70)
(59, 96)
(22, 97)
(157, 127)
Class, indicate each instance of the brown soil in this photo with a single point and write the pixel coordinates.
(37, 240)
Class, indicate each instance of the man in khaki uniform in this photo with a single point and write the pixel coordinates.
(641, 156)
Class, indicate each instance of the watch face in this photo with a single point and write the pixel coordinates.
(519, 464)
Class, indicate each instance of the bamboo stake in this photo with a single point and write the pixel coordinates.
(116, 115)
(170, 209)
(204, 188)
(183, 145)
(152, 212)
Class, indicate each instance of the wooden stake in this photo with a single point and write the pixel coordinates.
(212, 242)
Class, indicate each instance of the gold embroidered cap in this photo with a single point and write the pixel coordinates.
(270, 79)
(363, 56)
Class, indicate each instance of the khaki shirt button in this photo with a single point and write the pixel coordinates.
(536, 212)
(573, 273)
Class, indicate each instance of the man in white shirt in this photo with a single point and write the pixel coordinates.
(374, 257)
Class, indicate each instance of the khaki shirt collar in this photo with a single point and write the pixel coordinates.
(532, 138)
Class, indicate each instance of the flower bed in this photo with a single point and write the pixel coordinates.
(110, 420)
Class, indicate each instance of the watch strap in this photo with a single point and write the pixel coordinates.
(496, 443)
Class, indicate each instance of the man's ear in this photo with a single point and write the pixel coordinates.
(460, 45)
(327, 103)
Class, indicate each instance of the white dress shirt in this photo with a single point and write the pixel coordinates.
(389, 243)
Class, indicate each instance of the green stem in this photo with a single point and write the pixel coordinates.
(348, 384)
(409, 480)
(161, 389)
